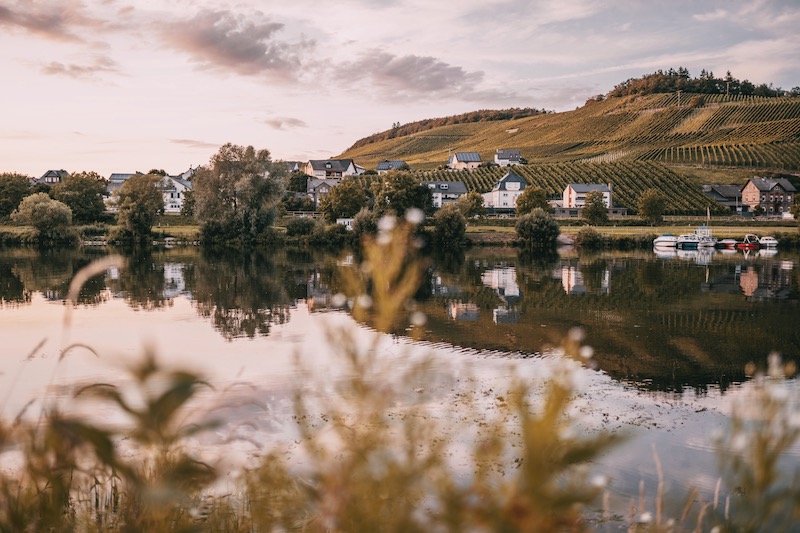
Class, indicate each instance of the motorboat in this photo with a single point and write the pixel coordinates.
(705, 240)
(726, 244)
(687, 241)
(750, 242)
(666, 240)
(768, 242)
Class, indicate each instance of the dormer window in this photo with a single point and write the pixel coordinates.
(443, 186)
(328, 165)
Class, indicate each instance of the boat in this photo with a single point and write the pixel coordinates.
(687, 241)
(666, 240)
(705, 240)
(768, 242)
(750, 242)
(726, 244)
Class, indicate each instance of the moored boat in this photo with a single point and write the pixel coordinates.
(750, 242)
(768, 242)
(687, 241)
(666, 240)
(726, 244)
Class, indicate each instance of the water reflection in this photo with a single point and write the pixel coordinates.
(662, 323)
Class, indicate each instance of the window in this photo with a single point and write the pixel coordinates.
(443, 186)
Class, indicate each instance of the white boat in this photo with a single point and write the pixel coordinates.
(665, 241)
(768, 242)
(726, 244)
(687, 241)
(705, 240)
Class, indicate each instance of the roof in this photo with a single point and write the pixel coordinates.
(468, 157)
(723, 191)
(336, 165)
(55, 173)
(508, 155)
(313, 184)
(510, 177)
(178, 180)
(589, 187)
(118, 176)
(390, 165)
(767, 184)
(453, 187)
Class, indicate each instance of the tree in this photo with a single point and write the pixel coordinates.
(399, 191)
(595, 211)
(50, 217)
(298, 182)
(471, 205)
(344, 200)
(237, 194)
(795, 211)
(83, 193)
(187, 209)
(450, 226)
(139, 200)
(530, 199)
(651, 207)
(538, 230)
(13, 188)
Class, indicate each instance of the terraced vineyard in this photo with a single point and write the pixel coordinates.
(628, 179)
(757, 133)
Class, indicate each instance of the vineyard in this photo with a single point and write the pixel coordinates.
(628, 179)
(711, 130)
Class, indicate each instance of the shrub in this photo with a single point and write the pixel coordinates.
(300, 226)
(450, 226)
(50, 217)
(538, 230)
(591, 239)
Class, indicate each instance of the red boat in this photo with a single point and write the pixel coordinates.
(750, 242)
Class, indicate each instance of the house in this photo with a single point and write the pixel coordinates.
(317, 188)
(174, 190)
(386, 165)
(575, 194)
(771, 196)
(506, 158)
(295, 166)
(504, 194)
(116, 180)
(51, 177)
(445, 192)
(729, 196)
(464, 161)
(332, 168)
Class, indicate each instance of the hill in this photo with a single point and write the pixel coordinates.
(706, 130)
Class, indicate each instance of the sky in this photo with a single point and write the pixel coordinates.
(131, 85)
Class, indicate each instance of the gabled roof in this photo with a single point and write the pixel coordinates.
(589, 187)
(55, 174)
(723, 191)
(467, 157)
(186, 184)
(453, 187)
(508, 155)
(390, 165)
(510, 177)
(334, 165)
(767, 184)
(313, 184)
(119, 176)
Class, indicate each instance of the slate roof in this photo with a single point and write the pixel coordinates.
(390, 165)
(589, 187)
(510, 177)
(767, 184)
(468, 157)
(334, 165)
(116, 180)
(313, 184)
(58, 174)
(453, 187)
(730, 192)
(508, 155)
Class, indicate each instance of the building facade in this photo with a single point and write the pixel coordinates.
(770, 196)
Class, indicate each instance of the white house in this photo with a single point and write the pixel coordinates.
(575, 194)
(445, 192)
(464, 161)
(174, 191)
(506, 158)
(332, 168)
(504, 194)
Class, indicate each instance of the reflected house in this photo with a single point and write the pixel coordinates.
(504, 282)
(572, 279)
(504, 315)
(439, 288)
(319, 296)
(766, 281)
(463, 311)
(174, 281)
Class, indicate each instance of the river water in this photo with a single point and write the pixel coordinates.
(671, 335)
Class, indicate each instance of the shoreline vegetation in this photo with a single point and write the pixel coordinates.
(374, 456)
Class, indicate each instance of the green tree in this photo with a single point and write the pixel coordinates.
(50, 217)
(187, 209)
(139, 200)
(83, 193)
(450, 226)
(344, 200)
(365, 223)
(530, 199)
(595, 211)
(795, 211)
(471, 205)
(237, 194)
(298, 182)
(13, 188)
(400, 191)
(651, 207)
(538, 230)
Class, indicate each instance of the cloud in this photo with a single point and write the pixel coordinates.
(413, 76)
(99, 65)
(244, 45)
(719, 14)
(191, 143)
(285, 123)
(62, 21)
